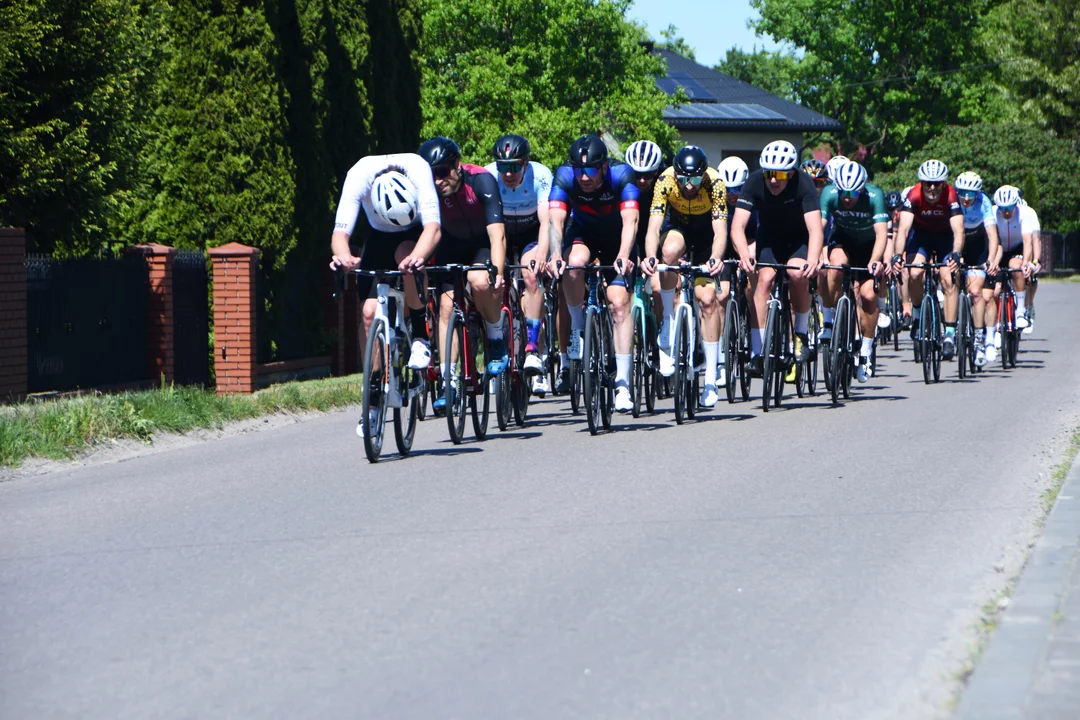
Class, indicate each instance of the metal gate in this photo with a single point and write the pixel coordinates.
(191, 321)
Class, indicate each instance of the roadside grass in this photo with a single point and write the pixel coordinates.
(1057, 475)
(61, 429)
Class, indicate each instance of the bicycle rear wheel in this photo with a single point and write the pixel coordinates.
(480, 399)
(519, 384)
(637, 362)
(851, 344)
(607, 369)
(963, 334)
(730, 343)
(592, 360)
(503, 409)
(373, 404)
(744, 347)
(454, 379)
(809, 370)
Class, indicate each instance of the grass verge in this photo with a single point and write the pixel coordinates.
(60, 429)
(1057, 475)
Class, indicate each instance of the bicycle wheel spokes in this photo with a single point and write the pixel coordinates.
(373, 404)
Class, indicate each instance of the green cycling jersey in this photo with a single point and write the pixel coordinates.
(856, 222)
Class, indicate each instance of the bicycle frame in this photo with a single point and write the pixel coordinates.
(598, 374)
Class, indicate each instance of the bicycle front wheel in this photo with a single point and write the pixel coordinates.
(637, 362)
(373, 404)
(838, 351)
(894, 314)
(730, 343)
(480, 399)
(607, 369)
(410, 384)
(503, 408)
(592, 361)
(963, 334)
(939, 337)
(453, 385)
(769, 359)
(683, 367)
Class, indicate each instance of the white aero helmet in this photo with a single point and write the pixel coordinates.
(850, 177)
(643, 156)
(733, 170)
(969, 182)
(779, 155)
(933, 171)
(1006, 197)
(394, 198)
(833, 164)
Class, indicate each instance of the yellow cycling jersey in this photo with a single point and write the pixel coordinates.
(710, 202)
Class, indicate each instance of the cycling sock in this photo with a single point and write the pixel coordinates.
(950, 329)
(756, 341)
(712, 349)
(721, 354)
(827, 316)
(532, 327)
(564, 361)
(667, 298)
(1021, 299)
(802, 322)
(622, 370)
(867, 346)
(494, 332)
(418, 320)
(577, 317)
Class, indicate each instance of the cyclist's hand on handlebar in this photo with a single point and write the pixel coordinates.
(344, 262)
(499, 281)
(411, 262)
(648, 266)
(748, 265)
(624, 265)
(556, 267)
(716, 266)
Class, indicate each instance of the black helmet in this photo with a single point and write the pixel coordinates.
(510, 147)
(814, 168)
(691, 160)
(440, 152)
(589, 151)
(893, 199)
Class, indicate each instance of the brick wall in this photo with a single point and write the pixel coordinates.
(234, 318)
(159, 267)
(13, 347)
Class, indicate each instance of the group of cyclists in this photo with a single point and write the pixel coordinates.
(811, 221)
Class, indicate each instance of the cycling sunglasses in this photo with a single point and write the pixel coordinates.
(694, 180)
(1006, 208)
(967, 194)
(509, 166)
(645, 177)
(587, 171)
(850, 194)
(933, 185)
(442, 172)
(735, 190)
(779, 174)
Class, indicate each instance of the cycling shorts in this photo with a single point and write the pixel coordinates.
(603, 244)
(976, 246)
(858, 252)
(930, 244)
(452, 251)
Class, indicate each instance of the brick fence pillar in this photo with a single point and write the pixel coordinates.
(14, 356)
(159, 267)
(234, 317)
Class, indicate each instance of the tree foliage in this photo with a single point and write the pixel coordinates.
(1045, 168)
(675, 43)
(548, 69)
(773, 72)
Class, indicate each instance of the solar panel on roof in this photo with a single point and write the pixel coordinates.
(693, 88)
(722, 111)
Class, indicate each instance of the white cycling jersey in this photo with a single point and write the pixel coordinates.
(519, 204)
(356, 192)
(1011, 232)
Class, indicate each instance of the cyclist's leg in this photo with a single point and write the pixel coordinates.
(917, 254)
(574, 293)
(830, 289)
(761, 286)
(673, 247)
(948, 284)
(533, 300)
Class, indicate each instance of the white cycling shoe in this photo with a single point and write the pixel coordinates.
(864, 373)
(623, 401)
(991, 354)
(1021, 321)
(541, 386)
(721, 376)
(667, 363)
(576, 341)
(709, 397)
(883, 320)
(533, 363)
(420, 356)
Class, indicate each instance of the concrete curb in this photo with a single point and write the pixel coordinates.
(1018, 675)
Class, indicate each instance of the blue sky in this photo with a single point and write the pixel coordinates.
(708, 26)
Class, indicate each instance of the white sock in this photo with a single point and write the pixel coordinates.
(721, 354)
(494, 332)
(577, 317)
(757, 339)
(622, 370)
(1021, 298)
(867, 346)
(827, 315)
(712, 350)
(564, 360)
(802, 322)
(667, 298)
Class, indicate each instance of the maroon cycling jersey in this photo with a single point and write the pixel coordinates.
(933, 217)
(477, 204)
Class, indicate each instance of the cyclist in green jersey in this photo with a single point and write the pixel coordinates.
(860, 231)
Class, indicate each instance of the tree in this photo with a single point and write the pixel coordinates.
(1044, 167)
(546, 69)
(893, 74)
(773, 72)
(676, 44)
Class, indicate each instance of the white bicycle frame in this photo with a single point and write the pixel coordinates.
(391, 329)
(684, 308)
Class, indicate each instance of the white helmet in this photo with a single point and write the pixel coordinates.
(933, 171)
(779, 155)
(1006, 196)
(850, 177)
(733, 170)
(643, 156)
(394, 198)
(833, 164)
(968, 181)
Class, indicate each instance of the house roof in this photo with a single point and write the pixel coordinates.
(720, 102)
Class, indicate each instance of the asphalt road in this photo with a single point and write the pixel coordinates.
(815, 562)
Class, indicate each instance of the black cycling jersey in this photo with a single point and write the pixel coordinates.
(780, 217)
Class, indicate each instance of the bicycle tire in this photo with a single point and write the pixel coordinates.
(731, 350)
(895, 314)
(783, 359)
(607, 369)
(410, 384)
(503, 399)
(939, 336)
(836, 349)
(520, 392)
(637, 362)
(925, 340)
(681, 350)
(374, 396)
(852, 337)
(454, 380)
(962, 321)
(591, 361)
(767, 356)
(744, 346)
(480, 399)
(693, 388)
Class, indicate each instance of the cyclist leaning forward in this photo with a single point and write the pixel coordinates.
(688, 215)
(933, 208)
(980, 248)
(473, 233)
(859, 219)
(789, 230)
(524, 186)
(602, 201)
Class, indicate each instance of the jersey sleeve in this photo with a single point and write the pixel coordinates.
(357, 186)
(808, 196)
(877, 205)
(661, 189)
(541, 182)
(1029, 221)
(718, 193)
(752, 189)
(629, 195)
(827, 202)
(954, 202)
(419, 173)
(486, 188)
(987, 211)
(561, 185)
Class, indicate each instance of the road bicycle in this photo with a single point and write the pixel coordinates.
(511, 386)
(736, 339)
(931, 334)
(776, 351)
(1010, 334)
(597, 364)
(806, 373)
(843, 349)
(645, 353)
(465, 380)
(687, 348)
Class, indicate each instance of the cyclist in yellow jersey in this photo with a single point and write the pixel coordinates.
(689, 216)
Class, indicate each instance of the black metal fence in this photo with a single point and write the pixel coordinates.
(288, 316)
(191, 318)
(86, 322)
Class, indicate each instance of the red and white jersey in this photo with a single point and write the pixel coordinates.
(933, 217)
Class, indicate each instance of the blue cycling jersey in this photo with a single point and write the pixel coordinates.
(601, 207)
(980, 213)
(519, 204)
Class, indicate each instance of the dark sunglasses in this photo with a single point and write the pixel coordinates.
(646, 177)
(968, 194)
(509, 166)
(587, 171)
(694, 180)
(932, 185)
(779, 174)
(441, 172)
(735, 190)
(850, 194)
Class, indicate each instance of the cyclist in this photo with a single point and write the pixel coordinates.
(645, 158)
(602, 201)
(1015, 226)
(524, 186)
(816, 170)
(980, 246)
(688, 215)
(402, 208)
(474, 233)
(857, 209)
(933, 210)
(789, 231)
(733, 171)
(1036, 265)
(893, 201)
